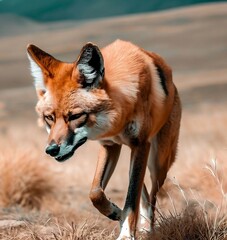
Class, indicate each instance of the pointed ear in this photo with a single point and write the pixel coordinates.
(91, 66)
(41, 67)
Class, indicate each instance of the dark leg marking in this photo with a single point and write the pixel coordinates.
(114, 216)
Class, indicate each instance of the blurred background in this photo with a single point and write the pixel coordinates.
(190, 35)
(56, 10)
(184, 36)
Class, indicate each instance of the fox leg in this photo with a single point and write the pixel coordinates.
(147, 204)
(130, 212)
(158, 173)
(145, 211)
(163, 152)
(107, 161)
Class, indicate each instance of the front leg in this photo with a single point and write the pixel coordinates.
(107, 161)
(130, 212)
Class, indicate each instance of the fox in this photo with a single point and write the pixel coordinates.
(118, 95)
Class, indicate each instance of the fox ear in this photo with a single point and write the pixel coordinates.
(41, 67)
(90, 65)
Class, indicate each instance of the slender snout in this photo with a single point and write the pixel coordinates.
(53, 149)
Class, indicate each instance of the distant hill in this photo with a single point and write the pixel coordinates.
(13, 23)
(55, 10)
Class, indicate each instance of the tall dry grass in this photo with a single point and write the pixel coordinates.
(199, 218)
(25, 180)
(193, 223)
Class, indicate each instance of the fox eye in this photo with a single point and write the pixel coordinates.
(75, 116)
(49, 119)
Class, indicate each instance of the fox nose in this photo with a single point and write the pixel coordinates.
(53, 149)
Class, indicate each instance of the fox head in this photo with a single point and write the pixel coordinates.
(72, 100)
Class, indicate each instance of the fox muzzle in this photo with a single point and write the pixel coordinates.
(53, 149)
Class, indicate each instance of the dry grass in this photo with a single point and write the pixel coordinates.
(26, 183)
(55, 231)
(24, 179)
(200, 218)
(36, 199)
(195, 222)
(39, 202)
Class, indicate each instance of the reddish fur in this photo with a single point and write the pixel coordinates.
(132, 101)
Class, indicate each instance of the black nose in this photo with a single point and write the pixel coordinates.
(53, 149)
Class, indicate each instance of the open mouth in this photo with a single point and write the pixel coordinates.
(62, 158)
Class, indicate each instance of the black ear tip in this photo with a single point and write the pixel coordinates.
(90, 52)
(32, 49)
(91, 46)
(90, 64)
(29, 48)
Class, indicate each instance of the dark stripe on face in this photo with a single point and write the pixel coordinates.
(84, 122)
(70, 137)
(77, 120)
(162, 79)
(71, 134)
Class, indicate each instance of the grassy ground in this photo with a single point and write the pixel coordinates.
(39, 202)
